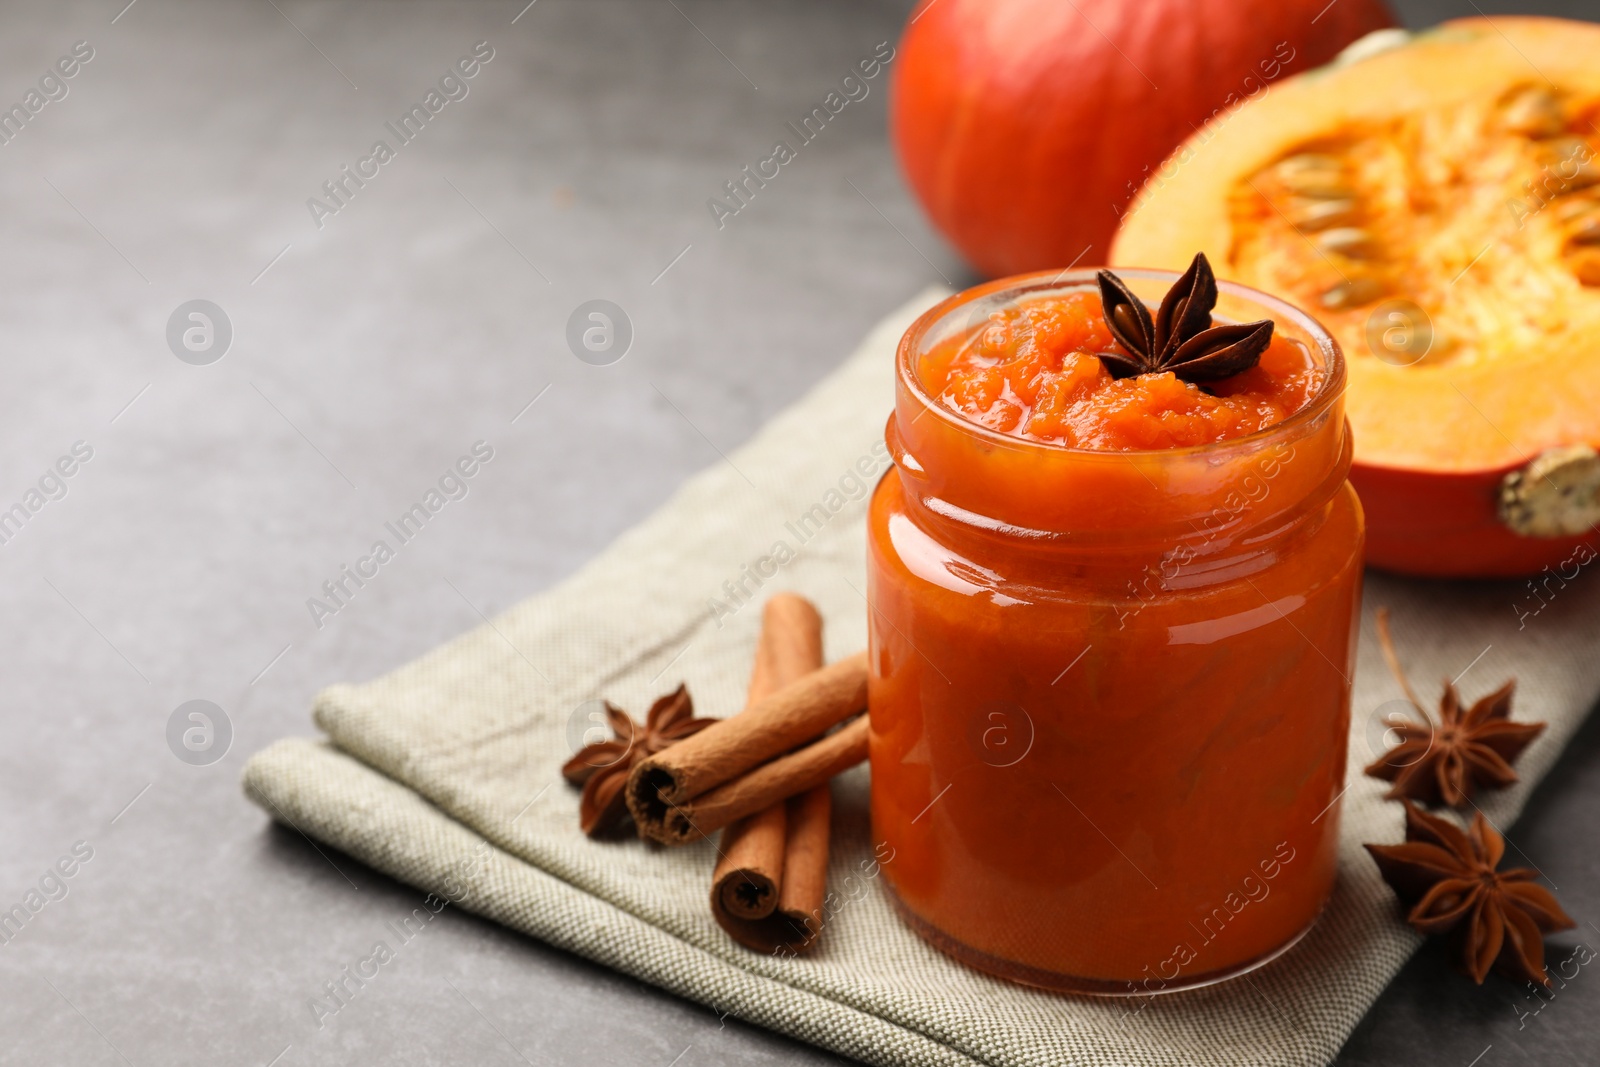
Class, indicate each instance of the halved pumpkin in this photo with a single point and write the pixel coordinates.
(1436, 203)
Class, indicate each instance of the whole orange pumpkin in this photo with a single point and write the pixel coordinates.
(1027, 126)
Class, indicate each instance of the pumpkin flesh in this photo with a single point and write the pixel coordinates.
(1492, 229)
(1437, 206)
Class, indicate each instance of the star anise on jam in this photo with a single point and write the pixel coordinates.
(1180, 338)
(1467, 749)
(602, 767)
(1447, 878)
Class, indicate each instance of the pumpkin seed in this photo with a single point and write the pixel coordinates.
(1313, 215)
(1588, 174)
(1534, 112)
(1352, 292)
(1325, 192)
(1577, 208)
(1587, 233)
(1572, 161)
(1313, 175)
(1308, 162)
(1586, 265)
(1349, 241)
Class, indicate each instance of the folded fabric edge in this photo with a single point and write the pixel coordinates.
(326, 795)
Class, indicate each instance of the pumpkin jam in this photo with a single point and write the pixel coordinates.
(1031, 371)
(1109, 689)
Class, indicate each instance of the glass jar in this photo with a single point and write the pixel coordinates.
(1110, 691)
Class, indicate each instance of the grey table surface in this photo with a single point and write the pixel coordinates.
(367, 353)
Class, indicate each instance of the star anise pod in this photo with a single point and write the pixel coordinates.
(1468, 748)
(1180, 338)
(1448, 881)
(602, 767)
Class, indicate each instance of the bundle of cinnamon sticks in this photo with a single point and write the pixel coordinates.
(762, 778)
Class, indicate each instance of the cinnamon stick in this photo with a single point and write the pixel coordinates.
(796, 714)
(788, 776)
(796, 919)
(750, 868)
(790, 646)
(805, 878)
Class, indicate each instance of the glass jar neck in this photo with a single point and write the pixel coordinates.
(1044, 493)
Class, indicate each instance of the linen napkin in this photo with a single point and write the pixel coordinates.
(445, 773)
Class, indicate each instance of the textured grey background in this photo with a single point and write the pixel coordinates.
(366, 357)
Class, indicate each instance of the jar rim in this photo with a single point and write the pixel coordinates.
(1079, 278)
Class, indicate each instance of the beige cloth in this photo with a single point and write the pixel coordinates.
(444, 774)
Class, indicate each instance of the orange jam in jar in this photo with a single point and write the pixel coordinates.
(1111, 631)
(1030, 371)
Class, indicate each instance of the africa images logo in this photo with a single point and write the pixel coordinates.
(742, 188)
(343, 187)
(52, 87)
